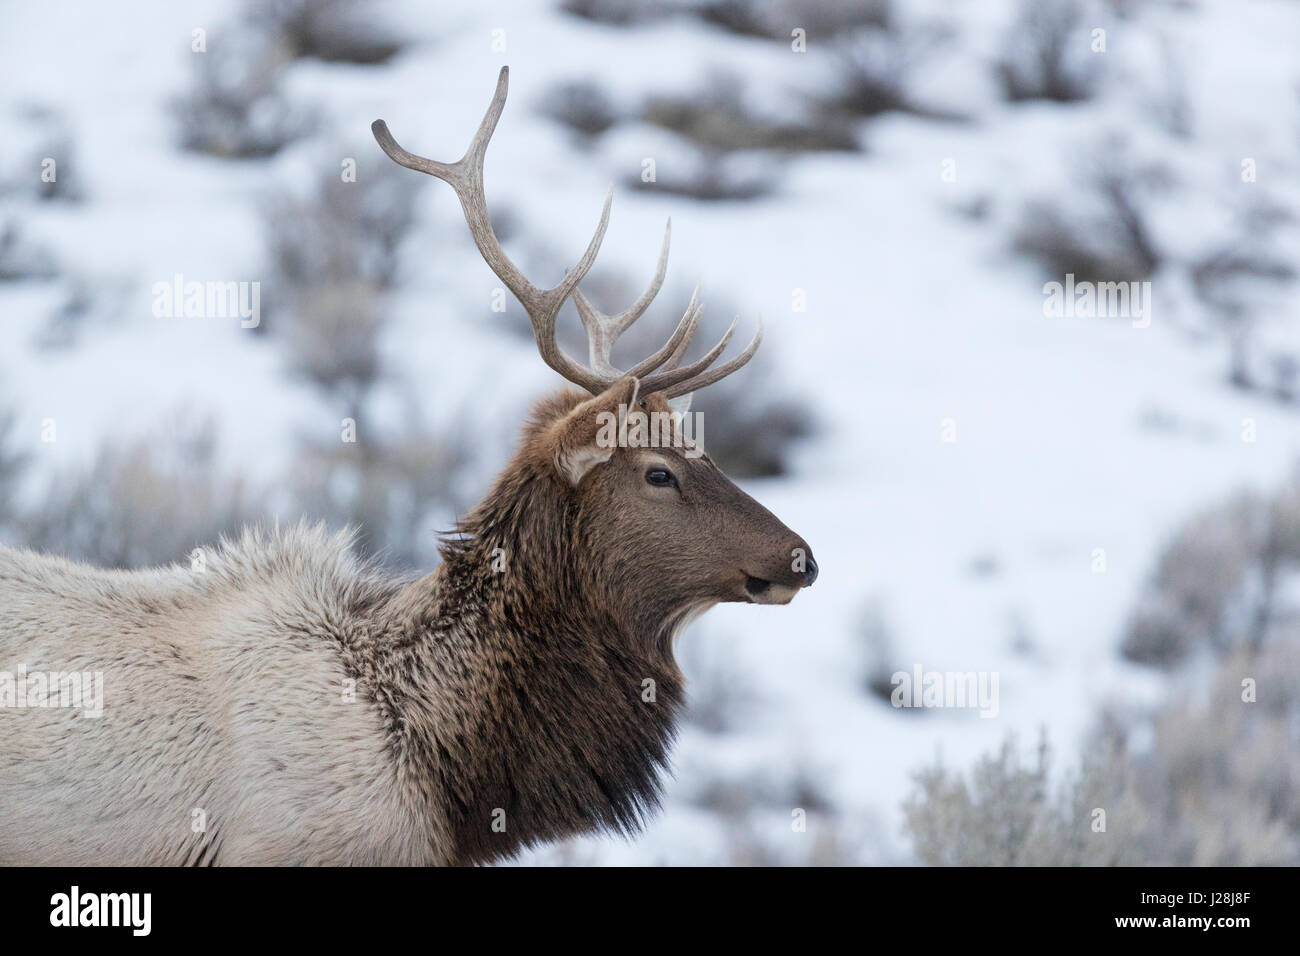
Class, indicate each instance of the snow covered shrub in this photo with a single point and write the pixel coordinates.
(1047, 53)
(771, 787)
(874, 74)
(235, 109)
(710, 176)
(337, 31)
(775, 19)
(345, 229)
(880, 660)
(63, 183)
(753, 434)
(1215, 782)
(1225, 581)
(1007, 812)
(88, 301)
(780, 814)
(1242, 283)
(722, 696)
(399, 490)
(1102, 234)
(718, 119)
(38, 159)
(1286, 376)
(332, 251)
(582, 106)
(20, 259)
(146, 503)
(732, 151)
(13, 465)
(1170, 101)
(333, 260)
(332, 336)
(618, 13)
(768, 841)
(876, 68)
(1219, 784)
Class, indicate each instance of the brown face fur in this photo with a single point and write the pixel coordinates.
(665, 526)
(534, 677)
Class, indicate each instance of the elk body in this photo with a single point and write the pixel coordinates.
(292, 704)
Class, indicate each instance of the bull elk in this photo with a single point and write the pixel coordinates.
(293, 704)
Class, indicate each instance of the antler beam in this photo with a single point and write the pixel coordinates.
(465, 176)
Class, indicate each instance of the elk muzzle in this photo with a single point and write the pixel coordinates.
(778, 579)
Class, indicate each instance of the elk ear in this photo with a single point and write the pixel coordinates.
(587, 436)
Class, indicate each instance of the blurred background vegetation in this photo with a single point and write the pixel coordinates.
(1195, 779)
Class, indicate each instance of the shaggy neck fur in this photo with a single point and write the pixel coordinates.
(527, 698)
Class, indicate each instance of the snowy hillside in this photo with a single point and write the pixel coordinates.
(968, 455)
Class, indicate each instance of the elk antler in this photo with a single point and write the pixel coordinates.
(543, 305)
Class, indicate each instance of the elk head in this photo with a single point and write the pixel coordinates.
(664, 527)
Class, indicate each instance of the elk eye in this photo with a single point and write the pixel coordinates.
(660, 478)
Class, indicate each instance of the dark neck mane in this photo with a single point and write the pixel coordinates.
(522, 701)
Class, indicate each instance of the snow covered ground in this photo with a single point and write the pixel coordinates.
(979, 553)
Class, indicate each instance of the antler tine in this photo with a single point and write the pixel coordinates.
(679, 353)
(662, 381)
(722, 371)
(465, 176)
(677, 342)
(603, 330)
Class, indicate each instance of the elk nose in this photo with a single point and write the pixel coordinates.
(810, 573)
